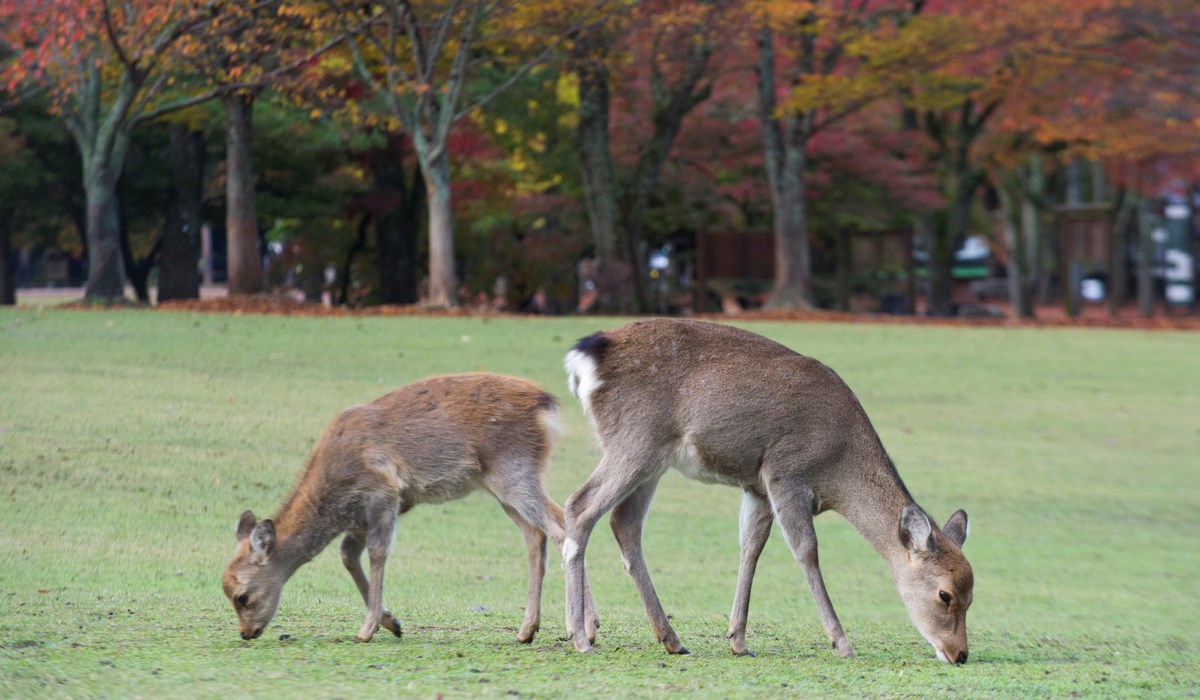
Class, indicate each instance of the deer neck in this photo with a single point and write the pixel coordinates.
(301, 532)
(874, 506)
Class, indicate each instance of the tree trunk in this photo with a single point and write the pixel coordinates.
(102, 137)
(1145, 261)
(1029, 262)
(8, 283)
(1013, 240)
(955, 226)
(397, 222)
(443, 281)
(241, 218)
(1118, 277)
(592, 143)
(106, 273)
(1021, 221)
(792, 288)
(785, 144)
(179, 274)
(359, 245)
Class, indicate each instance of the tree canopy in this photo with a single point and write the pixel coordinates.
(523, 137)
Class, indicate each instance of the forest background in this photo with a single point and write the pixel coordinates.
(443, 152)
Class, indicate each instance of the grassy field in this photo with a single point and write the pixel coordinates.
(131, 440)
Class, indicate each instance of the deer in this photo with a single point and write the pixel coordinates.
(432, 441)
(727, 406)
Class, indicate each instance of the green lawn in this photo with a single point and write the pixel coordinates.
(131, 440)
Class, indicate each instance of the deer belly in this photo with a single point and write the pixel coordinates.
(690, 462)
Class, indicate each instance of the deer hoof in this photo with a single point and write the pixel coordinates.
(393, 626)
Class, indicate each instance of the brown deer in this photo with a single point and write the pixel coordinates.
(432, 441)
(727, 406)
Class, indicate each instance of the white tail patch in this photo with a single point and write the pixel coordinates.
(551, 421)
(581, 377)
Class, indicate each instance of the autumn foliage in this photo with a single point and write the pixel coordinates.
(543, 132)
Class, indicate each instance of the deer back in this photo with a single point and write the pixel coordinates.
(720, 396)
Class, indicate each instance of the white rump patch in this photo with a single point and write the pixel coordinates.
(581, 377)
(551, 422)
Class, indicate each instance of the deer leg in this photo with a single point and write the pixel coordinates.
(382, 516)
(607, 486)
(352, 548)
(554, 530)
(518, 487)
(754, 528)
(627, 520)
(793, 509)
(535, 543)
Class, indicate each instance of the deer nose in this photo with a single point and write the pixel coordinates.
(252, 635)
(962, 658)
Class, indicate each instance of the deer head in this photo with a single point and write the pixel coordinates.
(935, 581)
(252, 582)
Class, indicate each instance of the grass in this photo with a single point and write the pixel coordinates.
(131, 440)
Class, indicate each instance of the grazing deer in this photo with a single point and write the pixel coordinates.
(727, 406)
(432, 441)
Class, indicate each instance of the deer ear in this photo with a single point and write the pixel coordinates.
(916, 532)
(262, 538)
(957, 528)
(245, 525)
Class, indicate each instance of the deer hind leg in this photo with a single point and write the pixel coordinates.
(627, 520)
(610, 484)
(535, 543)
(754, 524)
(521, 494)
(793, 509)
(352, 548)
(591, 618)
(381, 513)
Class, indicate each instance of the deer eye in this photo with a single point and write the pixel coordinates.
(944, 596)
(243, 599)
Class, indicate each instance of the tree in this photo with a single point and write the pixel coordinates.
(100, 64)
(810, 78)
(1107, 85)
(254, 46)
(421, 58)
(665, 59)
(179, 276)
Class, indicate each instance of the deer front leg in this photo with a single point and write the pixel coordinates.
(755, 527)
(793, 508)
(352, 549)
(379, 544)
(626, 521)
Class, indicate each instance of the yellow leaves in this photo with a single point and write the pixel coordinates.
(566, 90)
(833, 92)
(500, 127)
